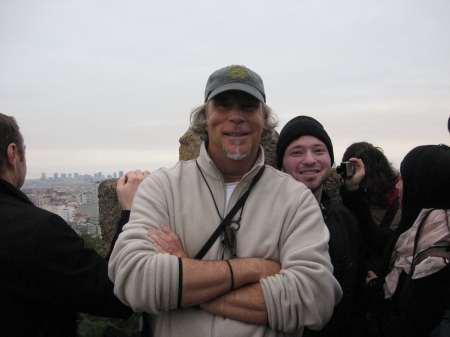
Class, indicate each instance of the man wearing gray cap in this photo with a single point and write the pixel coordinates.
(252, 257)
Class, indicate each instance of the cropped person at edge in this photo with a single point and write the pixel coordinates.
(47, 275)
(281, 280)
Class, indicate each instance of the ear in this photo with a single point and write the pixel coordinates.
(12, 156)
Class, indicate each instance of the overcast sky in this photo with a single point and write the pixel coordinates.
(109, 85)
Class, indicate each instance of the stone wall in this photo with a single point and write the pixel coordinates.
(109, 211)
(109, 208)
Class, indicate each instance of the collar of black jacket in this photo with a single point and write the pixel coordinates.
(8, 188)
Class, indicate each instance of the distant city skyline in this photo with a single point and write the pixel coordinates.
(75, 175)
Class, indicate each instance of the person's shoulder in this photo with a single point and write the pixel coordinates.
(273, 173)
(29, 217)
(284, 186)
(12, 205)
(180, 168)
(337, 206)
(281, 178)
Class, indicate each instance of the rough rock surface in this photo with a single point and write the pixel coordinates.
(189, 146)
(109, 211)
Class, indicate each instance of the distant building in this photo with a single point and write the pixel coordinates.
(65, 212)
(88, 211)
(95, 194)
(120, 173)
(47, 207)
(55, 176)
(98, 176)
(43, 176)
(41, 201)
(87, 199)
(88, 178)
(94, 229)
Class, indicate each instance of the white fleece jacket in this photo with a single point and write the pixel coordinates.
(281, 221)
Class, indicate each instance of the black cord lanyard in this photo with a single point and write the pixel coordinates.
(228, 218)
(212, 195)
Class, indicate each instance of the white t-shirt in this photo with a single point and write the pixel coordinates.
(229, 188)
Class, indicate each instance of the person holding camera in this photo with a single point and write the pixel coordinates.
(372, 196)
(378, 183)
(305, 151)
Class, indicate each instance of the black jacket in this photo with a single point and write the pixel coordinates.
(347, 257)
(375, 239)
(420, 310)
(46, 274)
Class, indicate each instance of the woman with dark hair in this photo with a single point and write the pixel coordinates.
(371, 195)
(379, 180)
(412, 298)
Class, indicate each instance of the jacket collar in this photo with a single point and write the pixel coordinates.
(8, 188)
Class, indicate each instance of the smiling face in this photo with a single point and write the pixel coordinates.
(308, 161)
(234, 126)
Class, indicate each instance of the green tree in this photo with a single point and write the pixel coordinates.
(93, 326)
(94, 242)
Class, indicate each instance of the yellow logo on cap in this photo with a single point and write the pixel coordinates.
(238, 72)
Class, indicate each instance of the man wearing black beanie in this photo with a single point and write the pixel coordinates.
(302, 126)
(305, 151)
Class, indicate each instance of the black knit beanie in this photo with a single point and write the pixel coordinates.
(298, 127)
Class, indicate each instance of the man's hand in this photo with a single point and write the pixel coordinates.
(352, 183)
(167, 241)
(127, 186)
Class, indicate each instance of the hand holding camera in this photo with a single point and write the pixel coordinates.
(352, 172)
(346, 169)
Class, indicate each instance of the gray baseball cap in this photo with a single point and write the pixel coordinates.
(235, 77)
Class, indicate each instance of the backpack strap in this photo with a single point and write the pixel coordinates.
(390, 214)
(439, 249)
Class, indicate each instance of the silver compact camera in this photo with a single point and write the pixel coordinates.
(346, 169)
